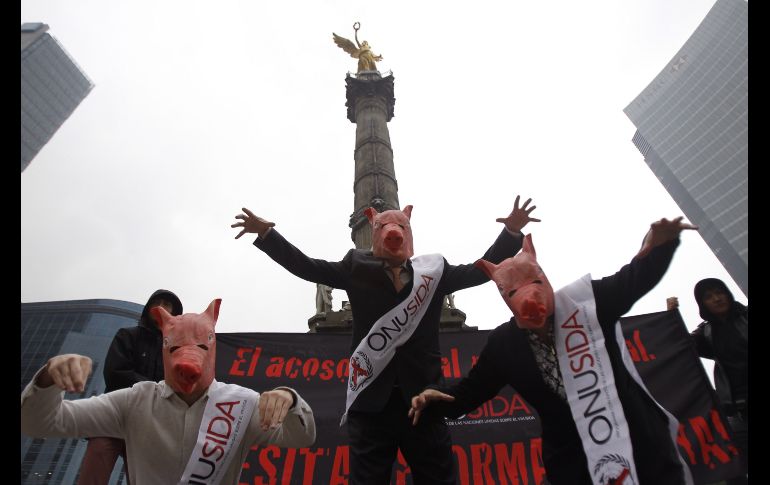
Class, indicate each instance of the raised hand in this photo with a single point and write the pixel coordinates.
(672, 303)
(251, 223)
(519, 216)
(661, 232)
(67, 371)
(422, 400)
(273, 407)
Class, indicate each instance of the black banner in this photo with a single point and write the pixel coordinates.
(668, 363)
(498, 443)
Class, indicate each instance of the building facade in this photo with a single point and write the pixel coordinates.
(692, 129)
(52, 86)
(83, 327)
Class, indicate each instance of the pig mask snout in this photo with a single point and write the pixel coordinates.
(188, 374)
(531, 309)
(394, 238)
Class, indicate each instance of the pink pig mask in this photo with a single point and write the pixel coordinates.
(189, 348)
(391, 234)
(523, 286)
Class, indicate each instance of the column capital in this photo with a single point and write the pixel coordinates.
(369, 84)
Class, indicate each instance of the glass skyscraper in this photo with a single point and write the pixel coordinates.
(692, 129)
(52, 86)
(83, 327)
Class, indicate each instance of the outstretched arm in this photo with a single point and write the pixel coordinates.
(661, 232)
(333, 274)
(616, 294)
(252, 223)
(508, 243)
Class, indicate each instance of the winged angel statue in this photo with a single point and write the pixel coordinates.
(363, 52)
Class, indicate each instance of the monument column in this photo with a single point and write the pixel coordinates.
(370, 103)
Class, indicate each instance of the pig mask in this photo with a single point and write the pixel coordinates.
(523, 286)
(391, 234)
(189, 348)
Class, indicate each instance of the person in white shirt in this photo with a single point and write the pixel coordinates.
(186, 428)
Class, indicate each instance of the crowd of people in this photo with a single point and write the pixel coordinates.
(162, 397)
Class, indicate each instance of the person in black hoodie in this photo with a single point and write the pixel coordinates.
(723, 336)
(135, 355)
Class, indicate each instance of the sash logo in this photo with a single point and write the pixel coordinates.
(360, 370)
(613, 469)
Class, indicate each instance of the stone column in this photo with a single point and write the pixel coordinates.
(370, 103)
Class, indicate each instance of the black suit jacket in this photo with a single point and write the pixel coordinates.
(507, 358)
(417, 363)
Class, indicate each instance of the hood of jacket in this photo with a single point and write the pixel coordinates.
(700, 290)
(176, 303)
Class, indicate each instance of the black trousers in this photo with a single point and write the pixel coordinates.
(375, 439)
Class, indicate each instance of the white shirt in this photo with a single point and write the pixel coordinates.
(159, 428)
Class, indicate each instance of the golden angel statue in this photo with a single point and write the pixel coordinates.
(363, 52)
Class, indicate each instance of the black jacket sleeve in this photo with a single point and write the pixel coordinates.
(467, 275)
(616, 294)
(334, 274)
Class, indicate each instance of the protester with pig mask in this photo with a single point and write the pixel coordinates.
(188, 428)
(564, 352)
(396, 301)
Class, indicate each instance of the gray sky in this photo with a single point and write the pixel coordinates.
(201, 108)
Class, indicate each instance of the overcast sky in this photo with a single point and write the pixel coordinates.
(201, 108)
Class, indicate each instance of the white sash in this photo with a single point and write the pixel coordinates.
(393, 329)
(225, 421)
(590, 385)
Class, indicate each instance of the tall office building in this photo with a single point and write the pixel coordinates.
(52, 86)
(83, 327)
(692, 128)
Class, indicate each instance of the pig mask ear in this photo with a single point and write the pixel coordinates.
(213, 310)
(408, 211)
(160, 315)
(371, 213)
(485, 266)
(528, 247)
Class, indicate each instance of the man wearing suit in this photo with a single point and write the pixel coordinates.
(562, 352)
(382, 282)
